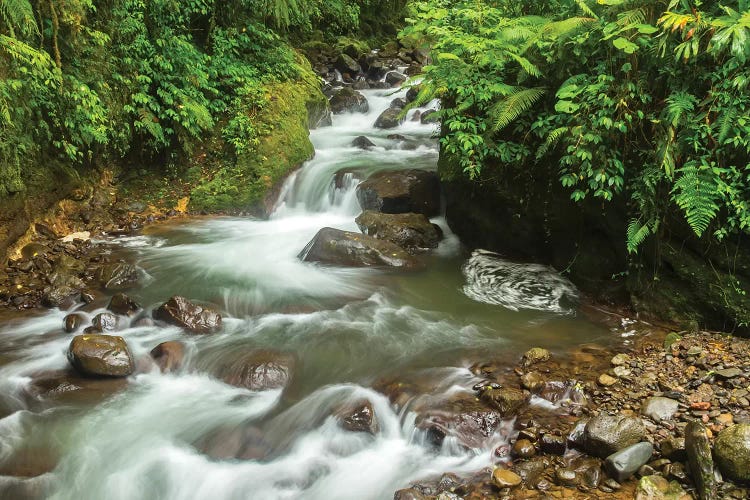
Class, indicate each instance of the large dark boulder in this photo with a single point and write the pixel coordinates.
(347, 64)
(413, 232)
(193, 317)
(260, 370)
(363, 142)
(402, 191)
(390, 118)
(348, 100)
(607, 434)
(344, 248)
(101, 355)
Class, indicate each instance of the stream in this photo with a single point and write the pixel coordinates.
(169, 436)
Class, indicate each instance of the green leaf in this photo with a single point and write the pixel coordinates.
(624, 45)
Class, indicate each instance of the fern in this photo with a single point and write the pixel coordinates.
(695, 192)
(636, 234)
(726, 122)
(18, 14)
(511, 107)
(552, 138)
(678, 105)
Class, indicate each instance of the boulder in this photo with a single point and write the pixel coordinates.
(412, 93)
(363, 142)
(659, 408)
(465, 420)
(700, 461)
(398, 103)
(260, 370)
(105, 322)
(73, 322)
(117, 276)
(658, 488)
(535, 355)
(624, 463)
(409, 494)
(348, 100)
(193, 317)
(122, 304)
(404, 191)
(732, 452)
(506, 400)
(344, 248)
(169, 356)
(607, 434)
(61, 296)
(394, 78)
(101, 355)
(359, 417)
(346, 64)
(413, 232)
(429, 116)
(390, 118)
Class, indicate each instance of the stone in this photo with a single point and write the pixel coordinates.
(117, 276)
(260, 370)
(169, 356)
(605, 434)
(624, 463)
(700, 461)
(656, 487)
(390, 118)
(105, 322)
(122, 304)
(192, 317)
(531, 471)
(61, 297)
(359, 417)
(523, 448)
(622, 371)
(344, 248)
(535, 355)
(402, 191)
(410, 231)
(732, 452)
(346, 64)
(363, 142)
(577, 433)
(673, 448)
(429, 116)
(394, 78)
(566, 477)
(728, 373)
(73, 322)
(620, 360)
(409, 494)
(506, 400)
(606, 380)
(348, 100)
(533, 381)
(553, 445)
(504, 478)
(659, 408)
(101, 355)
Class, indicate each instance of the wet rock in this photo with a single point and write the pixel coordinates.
(621, 359)
(348, 100)
(344, 248)
(363, 142)
(531, 471)
(673, 448)
(535, 355)
(605, 434)
(448, 482)
(390, 118)
(413, 232)
(409, 494)
(122, 304)
(566, 477)
(463, 418)
(412, 93)
(117, 276)
(660, 408)
(658, 488)
(533, 381)
(403, 191)
(193, 317)
(32, 250)
(394, 78)
(506, 400)
(169, 356)
(358, 418)
(732, 452)
(523, 448)
(553, 445)
(62, 297)
(105, 322)
(577, 433)
(73, 322)
(626, 462)
(346, 64)
(430, 116)
(606, 380)
(504, 478)
(101, 355)
(260, 370)
(700, 461)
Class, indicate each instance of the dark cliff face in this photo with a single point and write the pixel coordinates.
(675, 278)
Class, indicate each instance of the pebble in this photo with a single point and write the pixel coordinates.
(504, 478)
(523, 448)
(606, 380)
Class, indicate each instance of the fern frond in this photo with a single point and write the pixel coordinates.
(695, 192)
(586, 9)
(678, 105)
(636, 234)
(511, 107)
(550, 142)
(725, 123)
(18, 14)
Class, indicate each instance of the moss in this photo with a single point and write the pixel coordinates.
(242, 184)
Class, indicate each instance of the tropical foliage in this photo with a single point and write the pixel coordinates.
(647, 100)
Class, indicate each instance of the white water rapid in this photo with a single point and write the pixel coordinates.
(188, 435)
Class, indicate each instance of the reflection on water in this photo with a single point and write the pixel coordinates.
(188, 435)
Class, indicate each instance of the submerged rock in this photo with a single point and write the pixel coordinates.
(404, 191)
(344, 248)
(260, 370)
(101, 355)
(411, 231)
(504, 478)
(363, 142)
(193, 317)
(348, 100)
(732, 452)
(169, 356)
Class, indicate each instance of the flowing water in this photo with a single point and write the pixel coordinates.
(168, 436)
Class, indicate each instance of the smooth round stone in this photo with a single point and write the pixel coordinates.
(732, 452)
(504, 478)
(566, 477)
(626, 462)
(606, 380)
(660, 408)
(523, 448)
